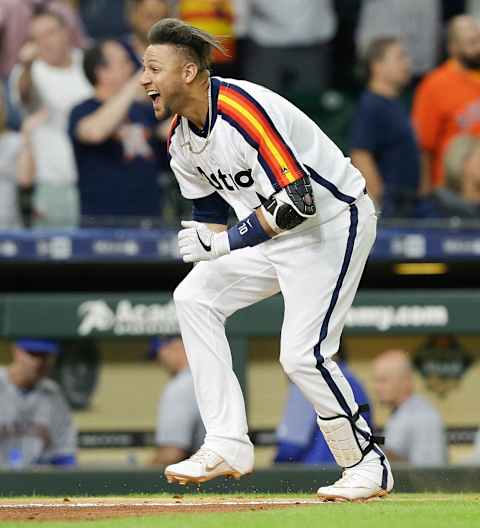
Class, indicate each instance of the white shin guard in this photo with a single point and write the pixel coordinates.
(344, 439)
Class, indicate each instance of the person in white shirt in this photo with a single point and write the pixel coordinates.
(289, 44)
(414, 433)
(50, 78)
(10, 147)
(306, 226)
(418, 24)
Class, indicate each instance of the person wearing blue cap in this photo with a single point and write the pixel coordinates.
(179, 429)
(36, 425)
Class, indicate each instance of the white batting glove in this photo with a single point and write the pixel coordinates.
(196, 242)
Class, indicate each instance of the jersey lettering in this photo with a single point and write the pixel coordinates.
(222, 181)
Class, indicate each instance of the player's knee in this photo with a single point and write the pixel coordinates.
(291, 362)
(296, 355)
(183, 295)
(188, 297)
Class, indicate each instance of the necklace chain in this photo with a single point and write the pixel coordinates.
(188, 142)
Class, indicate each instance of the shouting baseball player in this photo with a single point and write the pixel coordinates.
(306, 226)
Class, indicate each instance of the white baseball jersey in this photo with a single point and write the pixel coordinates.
(259, 142)
(35, 426)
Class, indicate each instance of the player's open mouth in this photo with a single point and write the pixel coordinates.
(154, 95)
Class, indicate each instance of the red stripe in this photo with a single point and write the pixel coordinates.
(276, 139)
(263, 150)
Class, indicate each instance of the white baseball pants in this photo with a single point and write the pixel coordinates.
(317, 271)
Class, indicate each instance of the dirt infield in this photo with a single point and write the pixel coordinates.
(88, 509)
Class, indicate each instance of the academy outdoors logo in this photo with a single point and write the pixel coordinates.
(126, 318)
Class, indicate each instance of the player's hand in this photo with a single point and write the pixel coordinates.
(196, 242)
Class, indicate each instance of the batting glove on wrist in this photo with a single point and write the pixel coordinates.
(197, 242)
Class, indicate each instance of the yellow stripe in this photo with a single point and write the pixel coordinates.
(261, 130)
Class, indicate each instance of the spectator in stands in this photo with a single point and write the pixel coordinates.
(217, 17)
(141, 15)
(15, 17)
(50, 79)
(289, 52)
(299, 439)
(417, 23)
(179, 430)
(36, 425)
(104, 18)
(462, 167)
(10, 148)
(117, 150)
(414, 433)
(461, 195)
(447, 103)
(383, 144)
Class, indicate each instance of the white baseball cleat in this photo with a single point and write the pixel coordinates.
(360, 483)
(204, 465)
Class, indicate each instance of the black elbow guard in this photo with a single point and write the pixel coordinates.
(291, 206)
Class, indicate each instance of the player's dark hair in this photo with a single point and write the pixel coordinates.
(197, 44)
(93, 58)
(375, 52)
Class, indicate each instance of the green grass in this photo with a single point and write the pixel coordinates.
(397, 511)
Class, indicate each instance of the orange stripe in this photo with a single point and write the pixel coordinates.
(274, 137)
(265, 152)
(171, 128)
(212, 15)
(273, 134)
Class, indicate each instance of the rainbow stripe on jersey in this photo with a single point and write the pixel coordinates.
(251, 120)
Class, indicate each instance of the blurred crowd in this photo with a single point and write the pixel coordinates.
(79, 145)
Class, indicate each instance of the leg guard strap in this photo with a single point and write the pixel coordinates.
(348, 443)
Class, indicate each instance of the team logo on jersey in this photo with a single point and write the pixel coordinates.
(227, 182)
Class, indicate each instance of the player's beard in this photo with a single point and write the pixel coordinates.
(471, 62)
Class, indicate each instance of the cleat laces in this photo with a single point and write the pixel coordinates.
(205, 457)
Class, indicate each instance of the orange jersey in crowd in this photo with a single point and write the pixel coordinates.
(215, 17)
(446, 103)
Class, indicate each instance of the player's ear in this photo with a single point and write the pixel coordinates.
(190, 71)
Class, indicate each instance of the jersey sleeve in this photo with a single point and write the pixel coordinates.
(211, 209)
(79, 112)
(427, 115)
(261, 123)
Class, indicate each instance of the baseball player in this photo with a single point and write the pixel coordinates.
(306, 226)
(36, 425)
